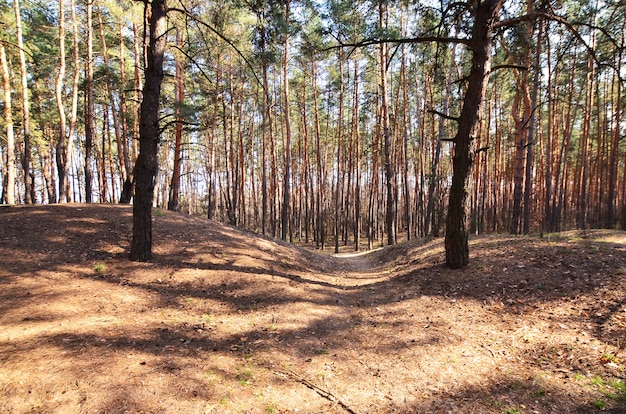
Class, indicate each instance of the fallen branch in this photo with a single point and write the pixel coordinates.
(324, 393)
(487, 348)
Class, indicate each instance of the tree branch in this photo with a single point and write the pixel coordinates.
(192, 60)
(509, 66)
(188, 14)
(321, 391)
(445, 116)
(409, 40)
(571, 26)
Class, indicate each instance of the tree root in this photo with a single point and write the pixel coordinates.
(324, 393)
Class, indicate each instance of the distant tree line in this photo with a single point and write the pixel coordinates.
(334, 123)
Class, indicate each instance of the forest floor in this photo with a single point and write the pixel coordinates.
(227, 321)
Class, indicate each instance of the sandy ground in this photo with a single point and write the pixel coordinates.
(227, 321)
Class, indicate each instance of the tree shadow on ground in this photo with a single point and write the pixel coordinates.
(221, 271)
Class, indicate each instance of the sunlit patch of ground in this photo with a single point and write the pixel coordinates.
(228, 321)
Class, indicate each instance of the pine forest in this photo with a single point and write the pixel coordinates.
(336, 124)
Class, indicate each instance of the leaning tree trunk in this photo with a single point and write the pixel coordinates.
(457, 248)
(147, 162)
(9, 187)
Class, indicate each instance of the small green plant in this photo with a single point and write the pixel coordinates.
(538, 393)
(245, 377)
(321, 351)
(597, 380)
(511, 410)
(100, 268)
(157, 212)
(599, 404)
(619, 386)
(612, 388)
(609, 357)
(493, 403)
(270, 409)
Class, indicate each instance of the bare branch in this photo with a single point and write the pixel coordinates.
(509, 66)
(406, 40)
(192, 60)
(444, 116)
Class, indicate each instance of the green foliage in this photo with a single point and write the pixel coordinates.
(245, 377)
(229, 44)
(599, 404)
(99, 268)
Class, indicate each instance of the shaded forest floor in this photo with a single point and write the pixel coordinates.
(226, 321)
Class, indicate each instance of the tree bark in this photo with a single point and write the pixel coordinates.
(29, 189)
(456, 241)
(120, 139)
(615, 139)
(357, 159)
(338, 172)
(528, 186)
(267, 119)
(9, 187)
(147, 162)
(429, 228)
(89, 109)
(320, 240)
(286, 213)
(390, 214)
(61, 148)
(520, 143)
(179, 88)
(127, 186)
(74, 111)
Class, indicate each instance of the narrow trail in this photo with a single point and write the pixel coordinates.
(358, 262)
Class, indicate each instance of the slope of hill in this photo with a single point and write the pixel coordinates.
(227, 321)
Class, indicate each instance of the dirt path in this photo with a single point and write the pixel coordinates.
(226, 321)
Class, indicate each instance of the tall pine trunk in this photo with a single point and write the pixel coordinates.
(179, 91)
(61, 146)
(89, 104)
(29, 188)
(9, 186)
(357, 159)
(74, 111)
(531, 128)
(456, 241)
(390, 212)
(149, 131)
(286, 212)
